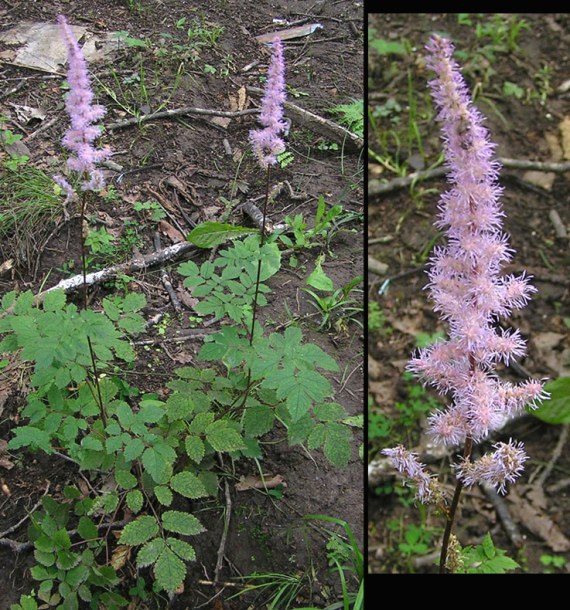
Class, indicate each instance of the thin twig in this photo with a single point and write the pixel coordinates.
(320, 125)
(504, 515)
(26, 517)
(376, 188)
(166, 280)
(164, 114)
(555, 456)
(222, 547)
(19, 547)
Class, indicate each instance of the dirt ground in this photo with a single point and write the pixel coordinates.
(522, 93)
(206, 157)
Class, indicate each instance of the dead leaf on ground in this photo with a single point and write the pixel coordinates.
(256, 482)
(120, 556)
(186, 298)
(167, 229)
(544, 180)
(536, 521)
(5, 461)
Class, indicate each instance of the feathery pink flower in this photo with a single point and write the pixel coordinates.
(468, 290)
(80, 136)
(267, 143)
(407, 464)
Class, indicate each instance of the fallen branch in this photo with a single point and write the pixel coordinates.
(376, 188)
(137, 264)
(555, 456)
(165, 114)
(504, 515)
(166, 280)
(377, 267)
(324, 127)
(26, 517)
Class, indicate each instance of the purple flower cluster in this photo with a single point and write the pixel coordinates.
(83, 114)
(468, 291)
(267, 143)
(407, 463)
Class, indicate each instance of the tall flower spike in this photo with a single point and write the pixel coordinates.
(80, 136)
(267, 143)
(468, 291)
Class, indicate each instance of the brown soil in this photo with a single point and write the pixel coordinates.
(325, 69)
(402, 234)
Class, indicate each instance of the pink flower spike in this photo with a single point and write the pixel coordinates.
(80, 136)
(267, 143)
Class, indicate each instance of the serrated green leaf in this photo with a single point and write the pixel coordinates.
(317, 437)
(257, 420)
(151, 411)
(24, 303)
(188, 485)
(111, 309)
(135, 500)
(133, 449)
(28, 436)
(201, 422)
(46, 559)
(331, 411)
(140, 530)
(181, 523)
(150, 552)
(163, 495)
(156, 465)
(211, 234)
(134, 301)
(222, 437)
(125, 479)
(54, 300)
(298, 431)
(337, 447)
(194, 448)
(184, 550)
(169, 570)
(87, 529)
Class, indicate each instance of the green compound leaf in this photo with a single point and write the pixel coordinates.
(133, 449)
(163, 495)
(222, 437)
(27, 436)
(135, 500)
(87, 529)
(194, 448)
(188, 485)
(157, 465)
(54, 300)
(181, 523)
(169, 570)
(184, 550)
(337, 446)
(125, 479)
(138, 531)
(150, 552)
(212, 234)
(257, 420)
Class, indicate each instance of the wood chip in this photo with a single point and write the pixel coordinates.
(256, 482)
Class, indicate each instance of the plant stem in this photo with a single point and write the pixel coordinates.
(261, 244)
(453, 509)
(99, 398)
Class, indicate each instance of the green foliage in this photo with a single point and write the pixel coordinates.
(326, 224)
(384, 47)
(157, 448)
(338, 308)
(213, 234)
(552, 563)
(226, 286)
(485, 558)
(557, 409)
(377, 323)
(351, 115)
